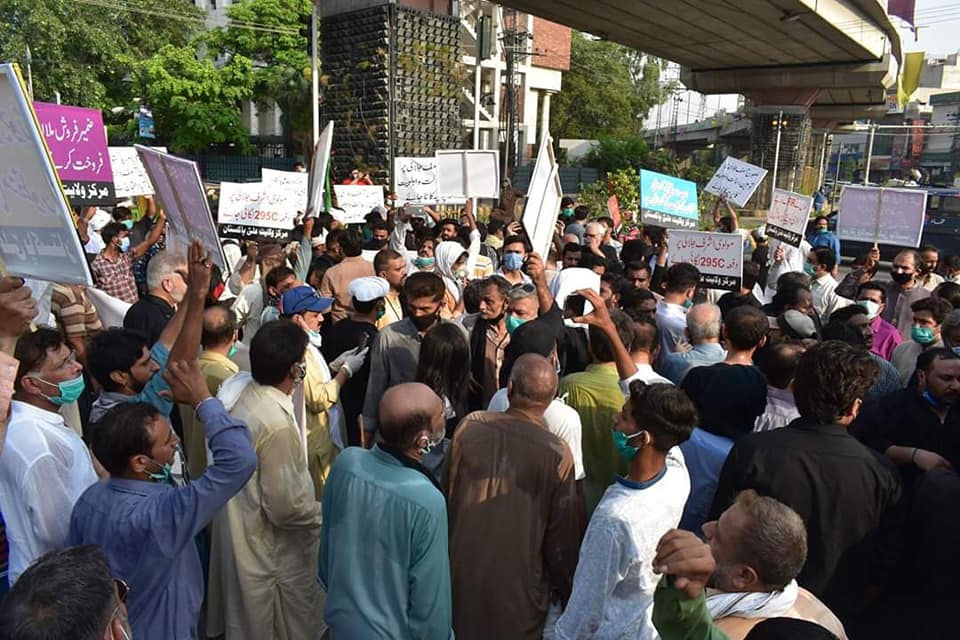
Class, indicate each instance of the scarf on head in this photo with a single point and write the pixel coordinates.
(771, 604)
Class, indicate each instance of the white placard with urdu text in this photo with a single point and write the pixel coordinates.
(294, 182)
(129, 177)
(736, 181)
(357, 201)
(254, 210)
(718, 256)
(415, 180)
(884, 216)
(788, 216)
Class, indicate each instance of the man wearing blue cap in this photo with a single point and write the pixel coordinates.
(322, 412)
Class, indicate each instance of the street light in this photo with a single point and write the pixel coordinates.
(779, 123)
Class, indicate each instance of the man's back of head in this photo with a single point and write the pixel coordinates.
(533, 383)
(600, 346)
(779, 363)
(67, 594)
(405, 411)
(703, 323)
(219, 327)
(745, 328)
(832, 378)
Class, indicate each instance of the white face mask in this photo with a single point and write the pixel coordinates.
(873, 309)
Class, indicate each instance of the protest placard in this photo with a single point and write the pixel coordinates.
(735, 181)
(788, 216)
(295, 183)
(357, 200)
(180, 190)
(667, 201)
(256, 210)
(718, 256)
(37, 236)
(129, 177)
(882, 216)
(543, 199)
(318, 172)
(415, 180)
(613, 210)
(468, 174)
(78, 143)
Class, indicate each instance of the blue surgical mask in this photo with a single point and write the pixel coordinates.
(873, 309)
(315, 338)
(423, 263)
(165, 475)
(567, 212)
(822, 231)
(124, 244)
(513, 323)
(622, 442)
(70, 390)
(512, 261)
(922, 335)
(128, 224)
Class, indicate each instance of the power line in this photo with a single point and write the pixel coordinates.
(200, 20)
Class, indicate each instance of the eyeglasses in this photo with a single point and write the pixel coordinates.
(122, 590)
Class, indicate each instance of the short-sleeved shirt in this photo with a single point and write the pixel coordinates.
(115, 277)
(75, 314)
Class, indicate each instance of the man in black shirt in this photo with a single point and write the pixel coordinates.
(167, 284)
(917, 427)
(733, 299)
(847, 495)
(356, 331)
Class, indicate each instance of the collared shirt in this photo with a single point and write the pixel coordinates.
(44, 467)
(336, 283)
(392, 309)
(825, 298)
(675, 366)
(393, 358)
(898, 311)
(494, 347)
(150, 315)
(827, 239)
(75, 315)
(596, 395)
(644, 373)
(672, 323)
(781, 410)
(384, 548)
(904, 357)
(147, 529)
(115, 277)
(930, 281)
(704, 454)
(821, 471)
(152, 393)
(885, 338)
(247, 308)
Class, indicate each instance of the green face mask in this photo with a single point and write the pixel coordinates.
(622, 442)
(233, 350)
(165, 475)
(922, 335)
(513, 323)
(70, 391)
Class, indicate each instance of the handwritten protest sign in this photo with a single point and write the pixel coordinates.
(318, 172)
(357, 201)
(667, 201)
(788, 216)
(882, 216)
(78, 143)
(736, 181)
(295, 183)
(718, 256)
(180, 190)
(255, 210)
(415, 180)
(543, 199)
(37, 235)
(468, 174)
(129, 177)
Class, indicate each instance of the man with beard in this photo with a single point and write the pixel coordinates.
(929, 259)
(903, 291)
(167, 285)
(396, 349)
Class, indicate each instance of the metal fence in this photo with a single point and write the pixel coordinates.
(217, 168)
(570, 177)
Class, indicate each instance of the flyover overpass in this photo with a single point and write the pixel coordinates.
(816, 63)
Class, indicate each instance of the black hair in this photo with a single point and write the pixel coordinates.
(277, 275)
(665, 411)
(842, 331)
(600, 344)
(517, 239)
(32, 349)
(779, 362)
(681, 276)
(788, 295)
(65, 594)
(424, 284)
(122, 433)
(111, 231)
(114, 349)
(365, 307)
(566, 201)
(637, 265)
(745, 327)
(937, 307)
(633, 251)
(845, 314)
(383, 259)
(581, 213)
(646, 336)
(446, 221)
(351, 245)
(792, 279)
(826, 257)
(571, 247)
(494, 226)
(632, 298)
(926, 359)
(949, 291)
(788, 629)
(276, 346)
(590, 260)
(219, 327)
(751, 273)
(873, 286)
(444, 363)
(830, 377)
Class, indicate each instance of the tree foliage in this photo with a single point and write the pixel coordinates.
(607, 91)
(196, 103)
(281, 72)
(77, 48)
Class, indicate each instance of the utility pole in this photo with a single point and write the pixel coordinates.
(779, 123)
(315, 73)
(477, 73)
(866, 170)
(514, 49)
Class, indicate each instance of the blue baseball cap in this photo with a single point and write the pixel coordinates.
(303, 298)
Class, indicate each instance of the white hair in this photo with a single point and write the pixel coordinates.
(162, 266)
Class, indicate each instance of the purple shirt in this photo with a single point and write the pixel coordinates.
(885, 338)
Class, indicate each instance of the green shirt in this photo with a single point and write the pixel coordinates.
(677, 618)
(597, 397)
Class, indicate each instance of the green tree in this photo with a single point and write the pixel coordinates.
(281, 72)
(77, 47)
(607, 91)
(196, 103)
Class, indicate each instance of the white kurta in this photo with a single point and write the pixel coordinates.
(265, 541)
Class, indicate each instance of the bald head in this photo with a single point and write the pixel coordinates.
(703, 323)
(219, 327)
(533, 381)
(406, 410)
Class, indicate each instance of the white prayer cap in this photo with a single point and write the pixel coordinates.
(368, 288)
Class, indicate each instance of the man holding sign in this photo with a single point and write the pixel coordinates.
(113, 268)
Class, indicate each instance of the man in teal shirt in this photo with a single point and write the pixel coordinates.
(384, 561)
